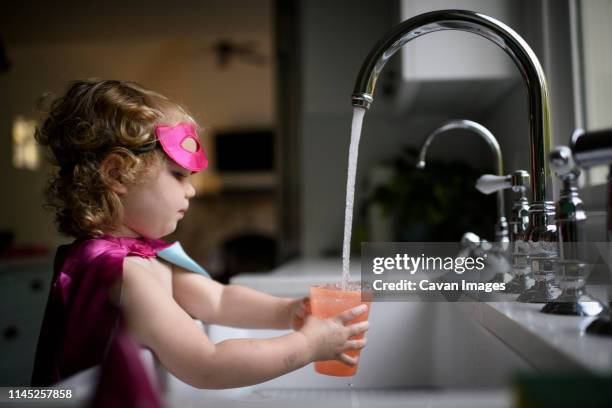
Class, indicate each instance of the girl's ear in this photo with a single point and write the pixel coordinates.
(110, 172)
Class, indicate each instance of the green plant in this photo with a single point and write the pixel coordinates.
(436, 204)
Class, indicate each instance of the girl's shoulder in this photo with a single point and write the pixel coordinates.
(104, 253)
(143, 247)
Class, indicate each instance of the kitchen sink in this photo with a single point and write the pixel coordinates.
(418, 353)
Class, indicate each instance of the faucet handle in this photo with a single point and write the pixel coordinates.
(563, 164)
(489, 183)
(473, 241)
(517, 181)
(592, 148)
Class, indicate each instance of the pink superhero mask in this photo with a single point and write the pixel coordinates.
(182, 144)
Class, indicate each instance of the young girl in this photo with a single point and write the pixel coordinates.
(125, 154)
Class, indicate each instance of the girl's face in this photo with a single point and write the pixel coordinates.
(152, 209)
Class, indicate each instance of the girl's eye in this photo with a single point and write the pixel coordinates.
(179, 175)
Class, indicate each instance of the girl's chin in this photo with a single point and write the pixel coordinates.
(172, 228)
(160, 233)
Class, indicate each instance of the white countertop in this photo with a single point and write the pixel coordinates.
(548, 342)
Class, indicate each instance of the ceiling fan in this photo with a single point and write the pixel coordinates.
(227, 51)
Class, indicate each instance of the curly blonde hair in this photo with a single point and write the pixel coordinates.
(93, 119)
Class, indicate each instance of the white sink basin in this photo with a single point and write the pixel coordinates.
(410, 359)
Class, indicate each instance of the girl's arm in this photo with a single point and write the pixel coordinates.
(230, 305)
(159, 323)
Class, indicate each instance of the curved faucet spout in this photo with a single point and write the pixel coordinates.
(495, 31)
(466, 125)
(501, 231)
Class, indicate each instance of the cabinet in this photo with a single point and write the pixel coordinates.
(24, 287)
(456, 55)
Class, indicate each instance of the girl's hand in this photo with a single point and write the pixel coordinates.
(329, 338)
(300, 310)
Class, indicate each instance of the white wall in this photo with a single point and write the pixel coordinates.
(596, 35)
(456, 54)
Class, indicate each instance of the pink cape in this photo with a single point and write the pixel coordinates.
(83, 328)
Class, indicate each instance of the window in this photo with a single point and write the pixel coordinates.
(25, 149)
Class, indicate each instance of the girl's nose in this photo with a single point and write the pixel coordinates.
(190, 191)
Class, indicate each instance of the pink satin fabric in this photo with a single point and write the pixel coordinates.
(123, 380)
(83, 327)
(172, 138)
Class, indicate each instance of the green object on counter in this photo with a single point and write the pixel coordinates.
(563, 391)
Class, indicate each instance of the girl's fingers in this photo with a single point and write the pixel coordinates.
(357, 344)
(297, 323)
(306, 305)
(350, 314)
(358, 328)
(345, 358)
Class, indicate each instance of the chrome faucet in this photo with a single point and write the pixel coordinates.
(501, 228)
(573, 264)
(518, 181)
(539, 240)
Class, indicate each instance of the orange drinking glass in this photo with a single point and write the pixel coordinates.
(330, 300)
